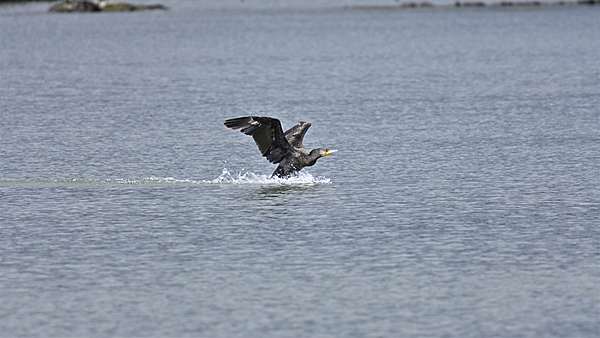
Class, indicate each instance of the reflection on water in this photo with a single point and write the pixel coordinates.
(282, 190)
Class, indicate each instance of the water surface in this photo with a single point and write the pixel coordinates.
(464, 200)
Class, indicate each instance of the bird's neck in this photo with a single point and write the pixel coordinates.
(313, 156)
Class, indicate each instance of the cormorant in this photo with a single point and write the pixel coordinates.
(277, 146)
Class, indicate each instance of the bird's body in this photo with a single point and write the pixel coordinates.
(277, 146)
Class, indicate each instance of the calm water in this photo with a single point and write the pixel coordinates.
(464, 200)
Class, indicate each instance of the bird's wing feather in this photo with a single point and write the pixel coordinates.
(267, 134)
(295, 134)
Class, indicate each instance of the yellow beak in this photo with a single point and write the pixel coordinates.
(330, 152)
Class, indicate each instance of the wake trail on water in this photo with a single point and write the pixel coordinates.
(226, 177)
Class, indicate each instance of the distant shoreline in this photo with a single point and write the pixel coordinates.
(525, 3)
(425, 4)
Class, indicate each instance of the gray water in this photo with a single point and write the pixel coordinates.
(463, 202)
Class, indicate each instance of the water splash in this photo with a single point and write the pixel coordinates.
(242, 177)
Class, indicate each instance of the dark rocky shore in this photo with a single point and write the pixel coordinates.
(91, 5)
(100, 6)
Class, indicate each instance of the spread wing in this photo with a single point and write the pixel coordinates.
(295, 134)
(266, 132)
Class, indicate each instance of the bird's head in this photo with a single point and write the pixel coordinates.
(320, 152)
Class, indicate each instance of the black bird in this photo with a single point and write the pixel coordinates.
(277, 146)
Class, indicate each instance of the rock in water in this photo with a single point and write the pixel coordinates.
(75, 6)
(123, 6)
(98, 5)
